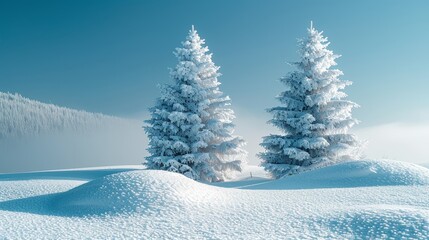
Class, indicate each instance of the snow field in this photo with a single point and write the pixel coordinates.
(150, 204)
(363, 173)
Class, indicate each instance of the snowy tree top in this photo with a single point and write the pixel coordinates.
(315, 57)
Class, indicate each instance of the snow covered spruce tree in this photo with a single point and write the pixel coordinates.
(191, 129)
(314, 116)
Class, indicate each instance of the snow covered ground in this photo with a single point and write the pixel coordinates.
(365, 199)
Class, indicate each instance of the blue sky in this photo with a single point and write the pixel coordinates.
(108, 56)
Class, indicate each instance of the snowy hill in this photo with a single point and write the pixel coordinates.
(22, 117)
(148, 204)
(363, 173)
(39, 136)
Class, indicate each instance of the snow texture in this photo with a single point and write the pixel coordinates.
(191, 129)
(361, 173)
(151, 204)
(314, 116)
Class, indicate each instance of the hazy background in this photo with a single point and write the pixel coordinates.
(109, 56)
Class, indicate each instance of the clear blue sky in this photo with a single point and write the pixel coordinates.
(108, 56)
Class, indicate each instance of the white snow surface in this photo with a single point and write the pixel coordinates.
(150, 204)
(363, 173)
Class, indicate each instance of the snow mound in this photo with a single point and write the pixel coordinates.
(148, 204)
(362, 173)
(133, 192)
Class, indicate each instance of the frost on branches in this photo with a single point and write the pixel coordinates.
(191, 129)
(313, 114)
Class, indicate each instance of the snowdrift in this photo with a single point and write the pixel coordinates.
(148, 204)
(133, 192)
(363, 173)
(143, 190)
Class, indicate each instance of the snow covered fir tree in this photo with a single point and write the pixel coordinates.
(313, 116)
(190, 130)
